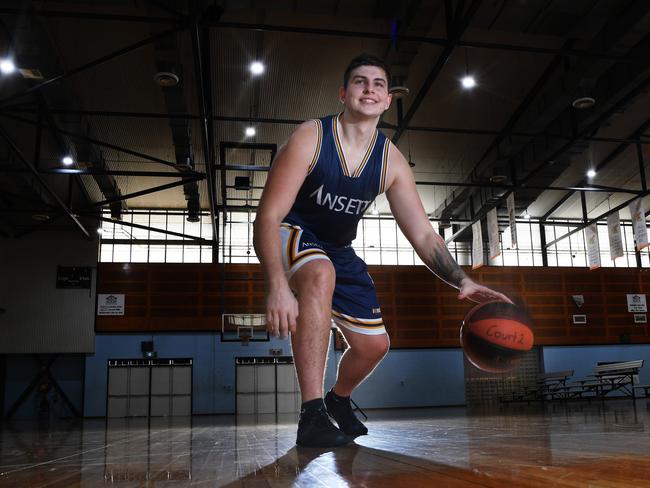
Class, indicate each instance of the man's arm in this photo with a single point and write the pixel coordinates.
(409, 213)
(284, 180)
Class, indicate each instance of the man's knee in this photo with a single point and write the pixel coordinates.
(316, 278)
(374, 349)
(382, 347)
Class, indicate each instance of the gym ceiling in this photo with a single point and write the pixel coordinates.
(151, 100)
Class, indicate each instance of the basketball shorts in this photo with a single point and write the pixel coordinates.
(354, 304)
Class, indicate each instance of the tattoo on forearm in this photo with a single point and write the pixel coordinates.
(442, 263)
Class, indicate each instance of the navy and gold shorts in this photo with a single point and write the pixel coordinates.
(354, 304)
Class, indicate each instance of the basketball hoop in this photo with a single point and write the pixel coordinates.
(243, 328)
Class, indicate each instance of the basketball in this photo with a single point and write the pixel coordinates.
(495, 335)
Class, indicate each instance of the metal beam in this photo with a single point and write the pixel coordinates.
(62, 14)
(154, 229)
(200, 54)
(587, 187)
(461, 21)
(436, 41)
(111, 172)
(272, 120)
(133, 195)
(82, 137)
(42, 181)
(639, 154)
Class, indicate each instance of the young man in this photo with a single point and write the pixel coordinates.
(322, 180)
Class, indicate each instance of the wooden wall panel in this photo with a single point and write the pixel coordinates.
(420, 310)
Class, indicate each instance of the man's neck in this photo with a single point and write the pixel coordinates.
(357, 130)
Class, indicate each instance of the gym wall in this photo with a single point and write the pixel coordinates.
(38, 317)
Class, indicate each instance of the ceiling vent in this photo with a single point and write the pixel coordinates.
(31, 73)
(166, 79)
(583, 103)
(398, 92)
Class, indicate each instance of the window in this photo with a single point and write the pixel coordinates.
(151, 241)
(379, 241)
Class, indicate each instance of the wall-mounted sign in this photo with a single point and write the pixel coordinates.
(73, 277)
(578, 300)
(640, 318)
(110, 304)
(636, 303)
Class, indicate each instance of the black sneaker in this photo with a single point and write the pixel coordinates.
(317, 430)
(341, 410)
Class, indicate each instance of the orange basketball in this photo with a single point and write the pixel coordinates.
(495, 335)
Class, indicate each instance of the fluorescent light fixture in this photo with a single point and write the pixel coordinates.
(7, 66)
(67, 160)
(468, 82)
(257, 68)
(250, 131)
(591, 173)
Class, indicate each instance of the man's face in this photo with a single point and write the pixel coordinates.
(367, 91)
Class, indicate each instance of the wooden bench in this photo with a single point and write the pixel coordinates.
(607, 378)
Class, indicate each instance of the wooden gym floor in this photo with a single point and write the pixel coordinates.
(597, 444)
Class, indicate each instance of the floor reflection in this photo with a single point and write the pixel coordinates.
(565, 445)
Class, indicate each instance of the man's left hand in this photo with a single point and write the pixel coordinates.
(479, 293)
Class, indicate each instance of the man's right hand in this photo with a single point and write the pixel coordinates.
(281, 312)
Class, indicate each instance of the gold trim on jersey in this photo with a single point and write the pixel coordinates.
(366, 158)
(356, 322)
(339, 149)
(319, 145)
(384, 166)
(293, 255)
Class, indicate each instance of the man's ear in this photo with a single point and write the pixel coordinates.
(342, 94)
(388, 100)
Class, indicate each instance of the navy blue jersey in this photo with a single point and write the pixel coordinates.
(332, 200)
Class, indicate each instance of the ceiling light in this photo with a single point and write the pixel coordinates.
(591, 173)
(7, 66)
(99, 230)
(468, 82)
(250, 131)
(526, 215)
(67, 160)
(375, 210)
(257, 68)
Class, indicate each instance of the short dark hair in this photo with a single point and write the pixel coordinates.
(365, 59)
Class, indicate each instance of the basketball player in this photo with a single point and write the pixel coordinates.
(321, 182)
